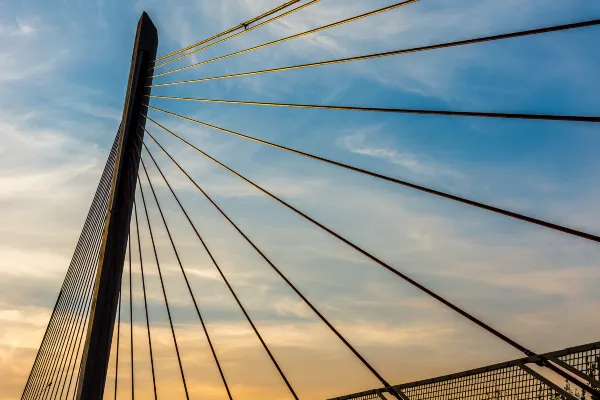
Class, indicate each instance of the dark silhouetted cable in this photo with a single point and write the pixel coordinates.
(137, 227)
(80, 334)
(547, 117)
(118, 339)
(49, 348)
(322, 28)
(237, 34)
(486, 207)
(394, 52)
(76, 315)
(164, 292)
(83, 321)
(306, 301)
(40, 353)
(225, 280)
(77, 283)
(243, 25)
(295, 289)
(53, 344)
(212, 349)
(131, 351)
(405, 277)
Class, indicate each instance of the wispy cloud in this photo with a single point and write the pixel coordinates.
(370, 142)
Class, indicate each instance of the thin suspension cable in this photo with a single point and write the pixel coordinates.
(306, 301)
(75, 299)
(119, 309)
(53, 346)
(297, 35)
(76, 274)
(212, 349)
(498, 334)
(132, 179)
(481, 324)
(68, 337)
(445, 195)
(131, 310)
(300, 7)
(226, 281)
(79, 322)
(83, 324)
(77, 381)
(61, 305)
(548, 117)
(119, 336)
(40, 370)
(555, 28)
(47, 348)
(243, 25)
(405, 277)
(162, 285)
(56, 341)
(137, 226)
(39, 352)
(82, 335)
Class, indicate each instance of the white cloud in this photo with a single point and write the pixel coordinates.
(24, 28)
(360, 141)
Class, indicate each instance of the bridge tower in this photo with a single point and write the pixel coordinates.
(94, 364)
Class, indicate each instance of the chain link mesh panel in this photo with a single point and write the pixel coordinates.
(505, 381)
(588, 362)
(511, 383)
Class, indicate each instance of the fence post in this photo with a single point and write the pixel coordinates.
(96, 353)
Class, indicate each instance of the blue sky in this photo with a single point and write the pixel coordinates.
(63, 72)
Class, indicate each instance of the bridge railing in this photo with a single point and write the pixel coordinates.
(511, 380)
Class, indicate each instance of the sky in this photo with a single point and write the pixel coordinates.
(63, 72)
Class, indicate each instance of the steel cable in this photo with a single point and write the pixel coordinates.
(74, 274)
(285, 39)
(71, 274)
(555, 28)
(237, 34)
(69, 316)
(80, 316)
(83, 319)
(52, 347)
(40, 352)
(424, 189)
(230, 30)
(130, 173)
(137, 226)
(84, 312)
(306, 301)
(118, 338)
(79, 358)
(546, 362)
(212, 349)
(547, 117)
(226, 281)
(162, 285)
(405, 277)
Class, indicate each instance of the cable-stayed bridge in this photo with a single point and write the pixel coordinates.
(85, 326)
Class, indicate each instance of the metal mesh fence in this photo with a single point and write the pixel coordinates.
(511, 380)
(588, 362)
(511, 383)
